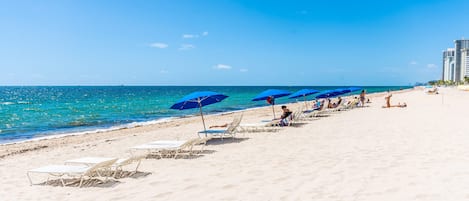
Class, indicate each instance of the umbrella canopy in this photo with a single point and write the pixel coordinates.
(352, 89)
(329, 94)
(198, 100)
(302, 93)
(272, 93)
(343, 90)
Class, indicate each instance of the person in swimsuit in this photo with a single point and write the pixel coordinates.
(362, 97)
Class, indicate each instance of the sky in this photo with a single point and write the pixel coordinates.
(220, 42)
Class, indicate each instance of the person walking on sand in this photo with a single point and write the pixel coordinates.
(362, 98)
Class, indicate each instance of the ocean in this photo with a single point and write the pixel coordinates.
(28, 112)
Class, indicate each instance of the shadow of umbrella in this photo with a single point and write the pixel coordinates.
(271, 94)
(198, 99)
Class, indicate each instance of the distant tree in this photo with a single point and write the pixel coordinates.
(466, 79)
(432, 82)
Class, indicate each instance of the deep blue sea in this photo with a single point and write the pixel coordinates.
(28, 112)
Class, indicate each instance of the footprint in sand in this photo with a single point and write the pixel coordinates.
(191, 186)
(228, 186)
(162, 195)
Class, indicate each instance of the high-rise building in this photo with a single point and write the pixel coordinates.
(464, 63)
(459, 46)
(449, 64)
(456, 61)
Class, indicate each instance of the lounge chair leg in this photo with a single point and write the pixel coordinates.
(63, 182)
(30, 181)
(81, 182)
(138, 164)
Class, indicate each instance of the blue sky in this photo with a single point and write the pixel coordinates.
(208, 42)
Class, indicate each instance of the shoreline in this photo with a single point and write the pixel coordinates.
(13, 148)
(92, 123)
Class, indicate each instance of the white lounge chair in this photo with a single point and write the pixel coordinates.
(270, 126)
(120, 163)
(113, 169)
(230, 131)
(73, 171)
(168, 148)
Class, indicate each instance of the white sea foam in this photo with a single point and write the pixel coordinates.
(100, 130)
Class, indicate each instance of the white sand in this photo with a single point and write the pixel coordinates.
(372, 153)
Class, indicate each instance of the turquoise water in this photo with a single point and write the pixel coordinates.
(30, 112)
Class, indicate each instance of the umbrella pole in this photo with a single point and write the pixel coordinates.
(203, 121)
(273, 110)
(306, 104)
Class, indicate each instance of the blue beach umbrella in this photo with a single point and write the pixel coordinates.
(343, 90)
(303, 93)
(271, 94)
(198, 100)
(328, 94)
(352, 89)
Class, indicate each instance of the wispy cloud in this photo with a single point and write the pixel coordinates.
(413, 63)
(186, 47)
(163, 71)
(243, 70)
(159, 45)
(190, 36)
(431, 66)
(205, 33)
(222, 67)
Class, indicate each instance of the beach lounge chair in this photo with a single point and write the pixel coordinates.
(271, 126)
(168, 148)
(114, 169)
(79, 172)
(230, 131)
(120, 163)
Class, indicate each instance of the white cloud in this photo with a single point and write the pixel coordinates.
(243, 70)
(222, 67)
(190, 36)
(187, 47)
(164, 71)
(159, 45)
(205, 33)
(413, 63)
(431, 66)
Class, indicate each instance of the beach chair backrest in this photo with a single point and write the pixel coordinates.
(131, 159)
(232, 127)
(102, 165)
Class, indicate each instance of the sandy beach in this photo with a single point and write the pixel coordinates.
(370, 153)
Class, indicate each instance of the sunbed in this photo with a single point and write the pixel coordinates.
(230, 131)
(168, 148)
(79, 172)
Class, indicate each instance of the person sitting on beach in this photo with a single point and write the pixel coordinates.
(388, 102)
(338, 102)
(433, 91)
(329, 103)
(317, 105)
(286, 113)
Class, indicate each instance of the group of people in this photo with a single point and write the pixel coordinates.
(319, 104)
